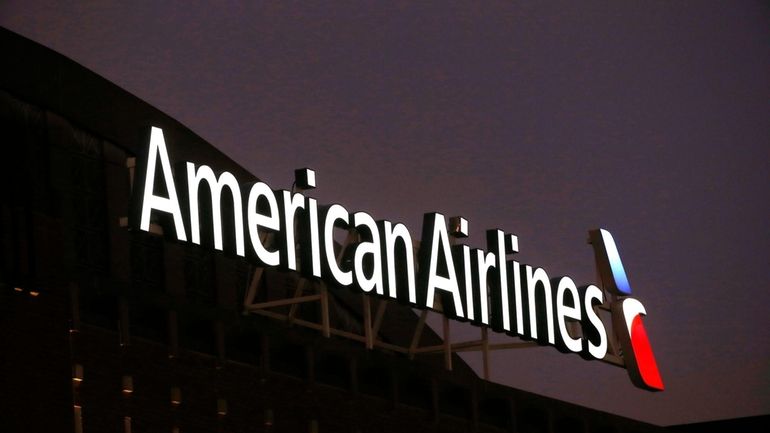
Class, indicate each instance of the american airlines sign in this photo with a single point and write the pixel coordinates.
(485, 287)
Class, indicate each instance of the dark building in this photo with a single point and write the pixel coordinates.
(751, 424)
(107, 329)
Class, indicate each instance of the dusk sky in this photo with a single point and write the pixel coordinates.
(544, 119)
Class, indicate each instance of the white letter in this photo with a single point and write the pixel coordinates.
(151, 201)
(256, 219)
(291, 203)
(517, 297)
(361, 219)
(466, 250)
(533, 278)
(600, 350)
(391, 233)
(567, 285)
(315, 248)
(335, 212)
(500, 299)
(484, 261)
(440, 239)
(226, 179)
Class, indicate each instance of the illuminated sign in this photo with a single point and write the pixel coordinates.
(627, 314)
(486, 288)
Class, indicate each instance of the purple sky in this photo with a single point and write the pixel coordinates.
(651, 120)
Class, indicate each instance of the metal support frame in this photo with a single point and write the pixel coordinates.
(317, 291)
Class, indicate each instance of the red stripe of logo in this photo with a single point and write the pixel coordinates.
(637, 351)
(645, 360)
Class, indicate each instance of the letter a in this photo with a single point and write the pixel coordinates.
(151, 201)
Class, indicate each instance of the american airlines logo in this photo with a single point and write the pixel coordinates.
(488, 288)
(627, 314)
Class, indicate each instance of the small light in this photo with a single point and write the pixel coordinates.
(304, 178)
(77, 373)
(176, 396)
(221, 407)
(18, 289)
(458, 227)
(34, 293)
(128, 384)
(268, 417)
